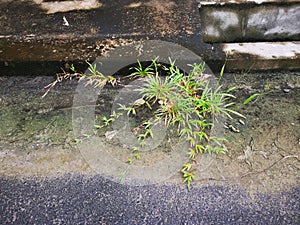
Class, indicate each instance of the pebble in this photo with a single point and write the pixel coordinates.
(241, 122)
(110, 134)
(233, 129)
(286, 90)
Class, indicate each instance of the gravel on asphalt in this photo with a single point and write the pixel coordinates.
(78, 199)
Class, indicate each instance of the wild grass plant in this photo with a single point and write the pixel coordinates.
(185, 102)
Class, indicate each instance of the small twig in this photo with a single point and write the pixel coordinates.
(61, 77)
(248, 173)
(277, 146)
(269, 167)
(49, 87)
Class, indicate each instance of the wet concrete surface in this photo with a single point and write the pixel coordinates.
(94, 200)
(30, 34)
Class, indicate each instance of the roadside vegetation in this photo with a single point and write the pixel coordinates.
(186, 103)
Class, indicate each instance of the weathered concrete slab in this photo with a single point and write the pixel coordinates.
(273, 55)
(43, 36)
(28, 31)
(250, 22)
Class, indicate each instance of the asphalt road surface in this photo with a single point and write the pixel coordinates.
(95, 200)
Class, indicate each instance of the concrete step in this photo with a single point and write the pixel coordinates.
(244, 21)
(262, 55)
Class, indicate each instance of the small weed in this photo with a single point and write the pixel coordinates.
(137, 156)
(130, 161)
(141, 71)
(78, 141)
(188, 175)
(96, 79)
(252, 98)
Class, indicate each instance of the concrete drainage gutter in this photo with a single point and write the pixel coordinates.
(37, 34)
